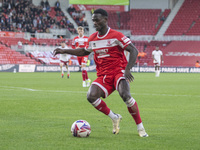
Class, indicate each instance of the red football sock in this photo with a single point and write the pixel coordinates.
(86, 75)
(134, 111)
(83, 75)
(101, 106)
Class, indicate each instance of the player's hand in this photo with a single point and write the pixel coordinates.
(57, 51)
(129, 77)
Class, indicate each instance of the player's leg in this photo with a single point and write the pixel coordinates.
(84, 71)
(124, 92)
(156, 70)
(61, 69)
(68, 71)
(93, 96)
(83, 74)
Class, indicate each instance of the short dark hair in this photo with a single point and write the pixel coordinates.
(101, 11)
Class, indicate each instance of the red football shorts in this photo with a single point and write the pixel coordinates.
(109, 83)
(82, 60)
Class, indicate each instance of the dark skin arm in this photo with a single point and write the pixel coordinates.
(132, 59)
(82, 52)
(76, 52)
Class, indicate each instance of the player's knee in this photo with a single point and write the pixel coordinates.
(125, 95)
(91, 96)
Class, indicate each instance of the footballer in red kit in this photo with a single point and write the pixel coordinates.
(109, 58)
(113, 70)
(81, 41)
(108, 51)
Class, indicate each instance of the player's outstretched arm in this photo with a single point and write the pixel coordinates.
(77, 52)
(132, 59)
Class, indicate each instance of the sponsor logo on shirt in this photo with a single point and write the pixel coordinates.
(102, 53)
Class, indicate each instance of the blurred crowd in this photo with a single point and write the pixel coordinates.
(23, 16)
(78, 16)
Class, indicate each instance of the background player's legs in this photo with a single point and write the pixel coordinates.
(157, 70)
(61, 69)
(86, 80)
(124, 92)
(93, 96)
(68, 72)
(83, 75)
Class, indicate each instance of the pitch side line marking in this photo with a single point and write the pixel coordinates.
(35, 90)
(84, 92)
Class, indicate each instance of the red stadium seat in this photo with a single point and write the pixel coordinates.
(186, 21)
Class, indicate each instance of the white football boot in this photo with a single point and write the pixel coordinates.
(116, 124)
(88, 82)
(142, 133)
(84, 84)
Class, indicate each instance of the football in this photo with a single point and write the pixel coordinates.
(80, 128)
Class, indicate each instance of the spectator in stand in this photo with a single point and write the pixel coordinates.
(26, 17)
(47, 5)
(57, 6)
(141, 54)
(162, 18)
(42, 3)
(19, 45)
(92, 10)
(71, 9)
(197, 64)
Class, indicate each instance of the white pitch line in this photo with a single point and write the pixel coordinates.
(84, 92)
(34, 90)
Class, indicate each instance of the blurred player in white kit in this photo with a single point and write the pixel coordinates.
(157, 56)
(64, 60)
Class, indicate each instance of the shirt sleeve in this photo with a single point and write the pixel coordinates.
(122, 40)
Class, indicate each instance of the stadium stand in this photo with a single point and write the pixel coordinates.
(186, 21)
(46, 57)
(24, 16)
(162, 18)
(113, 22)
(9, 56)
(181, 53)
(143, 22)
(139, 21)
(8, 41)
(49, 42)
(148, 47)
(78, 16)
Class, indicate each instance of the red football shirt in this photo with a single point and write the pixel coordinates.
(79, 42)
(108, 51)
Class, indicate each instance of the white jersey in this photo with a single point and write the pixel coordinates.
(157, 56)
(64, 57)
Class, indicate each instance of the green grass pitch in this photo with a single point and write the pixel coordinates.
(38, 109)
